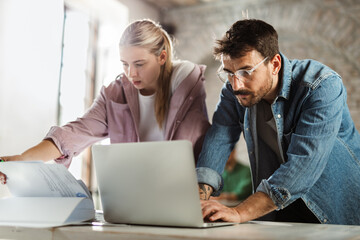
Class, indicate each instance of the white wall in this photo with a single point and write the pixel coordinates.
(30, 50)
(139, 10)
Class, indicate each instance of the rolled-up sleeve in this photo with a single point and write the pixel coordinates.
(72, 138)
(210, 177)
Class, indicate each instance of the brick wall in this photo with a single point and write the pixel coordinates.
(324, 30)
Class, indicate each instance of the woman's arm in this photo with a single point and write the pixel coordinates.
(45, 151)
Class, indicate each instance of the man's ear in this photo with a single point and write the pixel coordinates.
(276, 64)
(162, 57)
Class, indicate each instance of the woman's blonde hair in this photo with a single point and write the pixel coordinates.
(150, 35)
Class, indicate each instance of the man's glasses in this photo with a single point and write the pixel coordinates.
(239, 74)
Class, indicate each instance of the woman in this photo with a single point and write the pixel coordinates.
(154, 99)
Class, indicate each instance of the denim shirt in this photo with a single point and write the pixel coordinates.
(316, 135)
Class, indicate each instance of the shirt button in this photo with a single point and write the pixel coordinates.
(247, 129)
(278, 116)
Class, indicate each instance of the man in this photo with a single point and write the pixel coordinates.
(303, 147)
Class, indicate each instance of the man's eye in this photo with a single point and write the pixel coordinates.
(243, 73)
(139, 65)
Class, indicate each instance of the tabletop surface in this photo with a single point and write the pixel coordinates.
(250, 230)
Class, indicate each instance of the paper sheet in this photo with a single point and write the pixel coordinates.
(43, 195)
(37, 179)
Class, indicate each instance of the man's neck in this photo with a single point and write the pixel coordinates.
(271, 96)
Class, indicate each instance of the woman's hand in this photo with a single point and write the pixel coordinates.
(45, 150)
(2, 178)
(7, 159)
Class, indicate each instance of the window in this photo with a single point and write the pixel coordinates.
(90, 59)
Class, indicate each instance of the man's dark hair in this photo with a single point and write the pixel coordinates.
(247, 35)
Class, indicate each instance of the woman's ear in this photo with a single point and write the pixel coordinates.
(162, 57)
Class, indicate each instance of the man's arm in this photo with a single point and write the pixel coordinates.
(255, 206)
(219, 141)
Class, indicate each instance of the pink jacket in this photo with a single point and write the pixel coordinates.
(115, 114)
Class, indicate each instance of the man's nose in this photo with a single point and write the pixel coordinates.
(238, 83)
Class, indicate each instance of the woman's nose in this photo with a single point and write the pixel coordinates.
(132, 72)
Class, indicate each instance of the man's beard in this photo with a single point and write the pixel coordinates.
(253, 97)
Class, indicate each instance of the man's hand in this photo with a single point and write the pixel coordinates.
(213, 210)
(255, 206)
(205, 191)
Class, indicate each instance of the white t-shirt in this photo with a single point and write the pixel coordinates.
(149, 129)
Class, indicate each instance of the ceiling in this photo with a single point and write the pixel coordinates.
(167, 4)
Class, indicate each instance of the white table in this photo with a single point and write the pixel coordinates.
(251, 230)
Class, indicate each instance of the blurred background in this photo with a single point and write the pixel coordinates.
(55, 55)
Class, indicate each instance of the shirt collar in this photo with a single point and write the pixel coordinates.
(286, 78)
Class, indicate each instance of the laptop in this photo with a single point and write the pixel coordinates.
(149, 183)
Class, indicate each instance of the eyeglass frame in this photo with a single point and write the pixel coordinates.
(231, 75)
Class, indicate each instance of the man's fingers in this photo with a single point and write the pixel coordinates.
(206, 208)
(213, 211)
(209, 208)
(218, 215)
(226, 215)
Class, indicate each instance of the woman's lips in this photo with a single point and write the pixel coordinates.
(136, 83)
